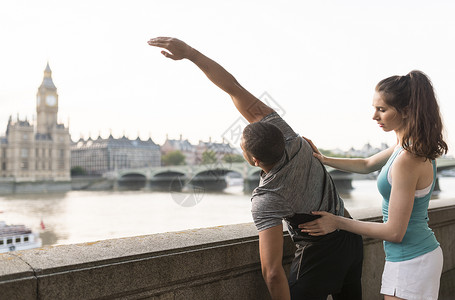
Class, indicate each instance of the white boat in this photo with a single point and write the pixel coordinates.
(17, 237)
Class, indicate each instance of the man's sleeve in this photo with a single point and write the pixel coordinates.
(276, 120)
(268, 211)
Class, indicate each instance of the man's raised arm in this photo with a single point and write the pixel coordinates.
(248, 105)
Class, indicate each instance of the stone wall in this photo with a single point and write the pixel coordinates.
(211, 263)
(33, 187)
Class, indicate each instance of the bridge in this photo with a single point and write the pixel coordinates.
(445, 164)
(206, 176)
(216, 177)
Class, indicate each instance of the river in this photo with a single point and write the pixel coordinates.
(85, 216)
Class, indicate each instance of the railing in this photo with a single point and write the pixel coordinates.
(210, 263)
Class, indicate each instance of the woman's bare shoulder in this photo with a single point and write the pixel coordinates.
(411, 162)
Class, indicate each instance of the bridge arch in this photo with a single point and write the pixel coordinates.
(168, 180)
(132, 181)
(252, 179)
(127, 172)
(212, 179)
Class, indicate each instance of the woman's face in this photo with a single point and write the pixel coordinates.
(388, 117)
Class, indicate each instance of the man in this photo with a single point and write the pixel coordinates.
(293, 184)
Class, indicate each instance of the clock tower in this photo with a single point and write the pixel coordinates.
(46, 104)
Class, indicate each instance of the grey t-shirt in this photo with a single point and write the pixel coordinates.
(297, 184)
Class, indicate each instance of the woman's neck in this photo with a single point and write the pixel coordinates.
(399, 137)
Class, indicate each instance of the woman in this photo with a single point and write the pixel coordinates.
(406, 105)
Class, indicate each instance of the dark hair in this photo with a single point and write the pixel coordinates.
(413, 96)
(264, 141)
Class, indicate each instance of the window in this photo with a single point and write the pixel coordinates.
(1, 242)
(62, 153)
(3, 166)
(24, 152)
(18, 240)
(26, 239)
(61, 164)
(25, 136)
(9, 241)
(24, 165)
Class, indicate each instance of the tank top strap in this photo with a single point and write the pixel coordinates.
(392, 160)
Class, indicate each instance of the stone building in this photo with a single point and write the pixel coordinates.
(220, 150)
(184, 146)
(193, 153)
(100, 155)
(41, 153)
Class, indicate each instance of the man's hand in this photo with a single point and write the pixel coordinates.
(248, 105)
(177, 49)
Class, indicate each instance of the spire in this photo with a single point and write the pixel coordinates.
(48, 69)
(47, 79)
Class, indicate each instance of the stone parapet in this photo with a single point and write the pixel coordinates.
(210, 263)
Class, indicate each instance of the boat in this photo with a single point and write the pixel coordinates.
(17, 237)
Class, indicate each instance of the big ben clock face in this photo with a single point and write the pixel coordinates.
(51, 100)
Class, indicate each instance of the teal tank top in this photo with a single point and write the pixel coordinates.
(419, 238)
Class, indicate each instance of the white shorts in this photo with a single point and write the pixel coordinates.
(414, 279)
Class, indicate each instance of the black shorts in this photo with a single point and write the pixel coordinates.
(332, 266)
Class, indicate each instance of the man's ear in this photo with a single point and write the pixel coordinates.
(256, 161)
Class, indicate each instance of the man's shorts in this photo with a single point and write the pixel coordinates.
(329, 266)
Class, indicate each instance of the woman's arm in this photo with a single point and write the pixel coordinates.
(405, 174)
(355, 165)
(248, 105)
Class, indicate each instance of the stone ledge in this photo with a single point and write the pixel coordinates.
(17, 278)
(63, 257)
(139, 264)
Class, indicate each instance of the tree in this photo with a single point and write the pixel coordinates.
(173, 158)
(209, 157)
(233, 158)
(78, 171)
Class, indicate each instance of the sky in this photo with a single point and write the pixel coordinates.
(318, 62)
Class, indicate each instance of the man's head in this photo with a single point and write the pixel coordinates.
(262, 143)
